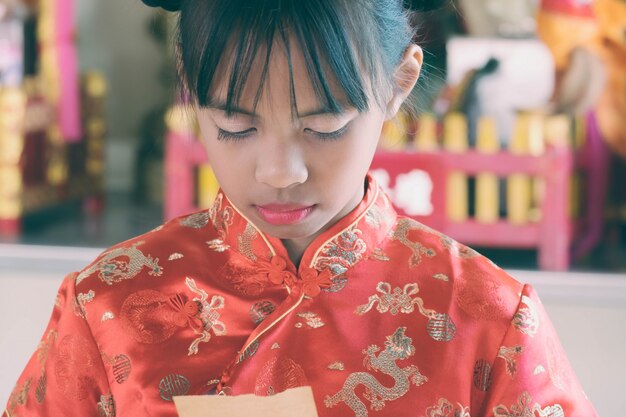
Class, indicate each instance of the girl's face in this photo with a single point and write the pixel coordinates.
(293, 176)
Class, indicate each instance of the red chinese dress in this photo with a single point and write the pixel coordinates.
(384, 317)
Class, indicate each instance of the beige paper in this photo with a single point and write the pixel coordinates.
(296, 402)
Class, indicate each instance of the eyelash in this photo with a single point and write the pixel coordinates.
(225, 135)
(330, 135)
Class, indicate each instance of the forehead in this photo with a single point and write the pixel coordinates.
(278, 76)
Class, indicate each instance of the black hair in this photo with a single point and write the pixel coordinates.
(356, 43)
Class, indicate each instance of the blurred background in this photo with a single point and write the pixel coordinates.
(518, 149)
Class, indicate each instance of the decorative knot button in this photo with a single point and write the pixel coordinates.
(186, 312)
(314, 281)
(276, 271)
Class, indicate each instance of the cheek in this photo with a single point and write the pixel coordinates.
(229, 163)
(359, 146)
(344, 166)
(229, 167)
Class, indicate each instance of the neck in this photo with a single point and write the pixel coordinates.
(296, 247)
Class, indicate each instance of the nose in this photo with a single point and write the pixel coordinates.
(281, 165)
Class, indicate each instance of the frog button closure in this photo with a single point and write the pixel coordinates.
(313, 281)
(276, 271)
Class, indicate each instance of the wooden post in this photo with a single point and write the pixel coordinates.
(555, 239)
(95, 88)
(536, 147)
(456, 141)
(57, 171)
(12, 116)
(519, 186)
(94, 121)
(394, 133)
(487, 186)
(426, 135)
(558, 134)
(207, 186)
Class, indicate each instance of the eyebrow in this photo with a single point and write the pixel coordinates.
(324, 110)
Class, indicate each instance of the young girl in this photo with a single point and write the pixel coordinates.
(301, 274)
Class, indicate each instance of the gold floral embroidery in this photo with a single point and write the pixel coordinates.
(379, 255)
(213, 382)
(78, 304)
(445, 408)
(509, 355)
(196, 220)
(112, 268)
(457, 249)
(523, 408)
(526, 319)
(401, 234)
(244, 242)
(221, 218)
(374, 216)
(312, 320)
(107, 315)
(106, 406)
(218, 245)
(340, 254)
(337, 366)
(398, 300)
(397, 347)
(19, 396)
(441, 277)
(208, 315)
(44, 347)
(275, 346)
(43, 350)
(175, 256)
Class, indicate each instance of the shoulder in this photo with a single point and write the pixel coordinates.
(466, 282)
(149, 260)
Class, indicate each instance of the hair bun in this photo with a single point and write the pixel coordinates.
(424, 5)
(169, 5)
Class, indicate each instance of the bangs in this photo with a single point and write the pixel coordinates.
(243, 33)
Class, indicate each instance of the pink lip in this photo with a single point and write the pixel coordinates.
(281, 214)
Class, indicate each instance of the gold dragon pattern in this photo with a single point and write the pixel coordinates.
(397, 347)
(120, 264)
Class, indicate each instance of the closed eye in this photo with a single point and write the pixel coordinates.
(329, 135)
(226, 135)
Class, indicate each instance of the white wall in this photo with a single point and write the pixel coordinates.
(588, 311)
(113, 38)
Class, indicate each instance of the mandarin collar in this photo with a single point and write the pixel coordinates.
(327, 259)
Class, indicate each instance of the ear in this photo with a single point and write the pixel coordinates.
(405, 78)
